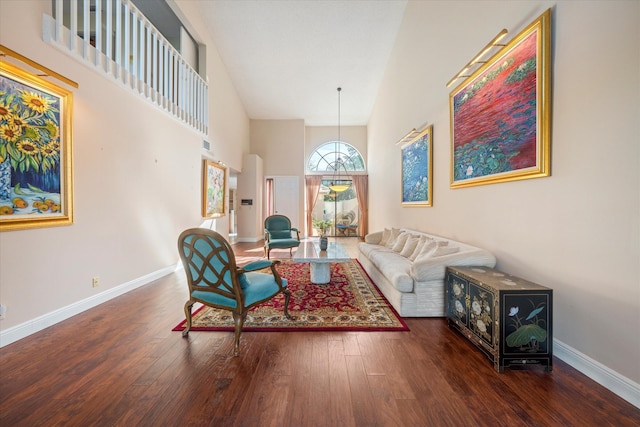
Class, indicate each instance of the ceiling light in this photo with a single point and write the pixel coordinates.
(340, 182)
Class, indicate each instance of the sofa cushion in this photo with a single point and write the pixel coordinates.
(374, 238)
(410, 245)
(368, 248)
(436, 248)
(279, 234)
(400, 241)
(418, 248)
(386, 233)
(433, 267)
(283, 243)
(445, 250)
(395, 232)
(425, 245)
(395, 267)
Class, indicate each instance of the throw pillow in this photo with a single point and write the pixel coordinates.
(436, 249)
(385, 237)
(395, 232)
(410, 246)
(400, 241)
(428, 249)
(424, 240)
(444, 250)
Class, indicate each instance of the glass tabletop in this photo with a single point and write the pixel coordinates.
(309, 251)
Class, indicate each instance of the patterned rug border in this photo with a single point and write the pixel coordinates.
(403, 328)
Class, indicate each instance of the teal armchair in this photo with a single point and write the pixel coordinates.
(278, 234)
(215, 280)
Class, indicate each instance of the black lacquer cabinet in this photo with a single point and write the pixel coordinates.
(508, 318)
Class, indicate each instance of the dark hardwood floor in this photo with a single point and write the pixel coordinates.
(120, 364)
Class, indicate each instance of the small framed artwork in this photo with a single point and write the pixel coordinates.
(214, 189)
(417, 169)
(500, 115)
(36, 181)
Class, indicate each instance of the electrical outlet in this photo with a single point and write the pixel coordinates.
(95, 282)
(3, 311)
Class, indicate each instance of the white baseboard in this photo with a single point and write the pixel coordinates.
(248, 239)
(618, 384)
(32, 326)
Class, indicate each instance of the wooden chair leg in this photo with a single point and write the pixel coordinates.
(238, 319)
(187, 313)
(287, 296)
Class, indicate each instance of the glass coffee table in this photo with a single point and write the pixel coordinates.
(320, 261)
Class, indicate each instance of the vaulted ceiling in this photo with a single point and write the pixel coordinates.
(287, 58)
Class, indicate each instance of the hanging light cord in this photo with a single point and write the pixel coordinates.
(339, 90)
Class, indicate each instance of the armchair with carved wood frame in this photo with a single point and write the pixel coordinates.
(278, 234)
(215, 280)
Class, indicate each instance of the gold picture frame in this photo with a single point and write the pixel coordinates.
(214, 189)
(500, 114)
(36, 177)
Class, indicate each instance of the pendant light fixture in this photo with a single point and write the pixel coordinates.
(340, 182)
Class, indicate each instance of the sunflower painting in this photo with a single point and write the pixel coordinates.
(35, 151)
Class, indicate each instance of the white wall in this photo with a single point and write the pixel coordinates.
(576, 231)
(280, 143)
(250, 183)
(137, 180)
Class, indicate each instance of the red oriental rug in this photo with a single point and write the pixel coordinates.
(350, 302)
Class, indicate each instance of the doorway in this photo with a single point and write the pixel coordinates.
(341, 209)
(282, 194)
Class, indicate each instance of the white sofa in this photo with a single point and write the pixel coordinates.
(408, 267)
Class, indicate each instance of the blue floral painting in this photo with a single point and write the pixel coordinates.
(416, 170)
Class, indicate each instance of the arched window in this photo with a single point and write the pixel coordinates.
(330, 154)
(340, 210)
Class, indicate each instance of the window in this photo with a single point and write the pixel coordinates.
(339, 208)
(325, 157)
